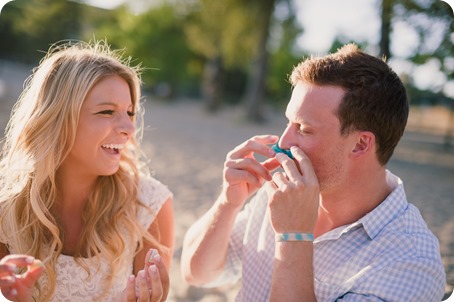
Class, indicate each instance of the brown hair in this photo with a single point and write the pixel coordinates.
(375, 98)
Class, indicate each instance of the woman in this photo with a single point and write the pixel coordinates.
(80, 215)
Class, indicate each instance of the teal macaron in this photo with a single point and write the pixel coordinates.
(276, 149)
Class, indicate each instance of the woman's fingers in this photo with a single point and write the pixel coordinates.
(152, 283)
(18, 260)
(129, 294)
(143, 294)
(34, 271)
(160, 274)
(157, 290)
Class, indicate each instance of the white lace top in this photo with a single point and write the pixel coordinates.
(73, 284)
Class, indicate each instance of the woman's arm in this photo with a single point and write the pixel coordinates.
(163, 230)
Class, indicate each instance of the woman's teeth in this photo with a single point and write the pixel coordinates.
(113, 146)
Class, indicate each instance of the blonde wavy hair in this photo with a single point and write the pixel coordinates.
(39, 136)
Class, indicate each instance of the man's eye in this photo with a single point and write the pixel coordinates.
(304, 130)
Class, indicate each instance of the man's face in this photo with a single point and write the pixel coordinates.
(314, 127)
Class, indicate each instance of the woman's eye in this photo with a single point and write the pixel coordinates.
(106, 112)
(131, 113)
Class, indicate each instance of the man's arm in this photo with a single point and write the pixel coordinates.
(206, 242)
(205, 245)
(293, 202)
(293, 277)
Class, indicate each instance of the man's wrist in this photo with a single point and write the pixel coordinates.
(294, 236)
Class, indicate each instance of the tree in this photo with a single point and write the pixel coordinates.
(223, 34)
(234, 35)
(386, 17)
(255, 93)
(429, 18)
(284, 53)
(155, 39)
(37, 24)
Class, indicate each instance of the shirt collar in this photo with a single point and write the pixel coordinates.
(375, 221)
(396, 203)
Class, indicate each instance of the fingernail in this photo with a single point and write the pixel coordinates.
(153, 269)
(269, 177)
(13, 292)
(11, 279)
(153, 255)
(157, 258)
(279, 155)
(12, 267)
(36, 264)
(142, 274)
(29, 259)
(131, 278)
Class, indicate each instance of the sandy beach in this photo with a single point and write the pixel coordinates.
(187, 147)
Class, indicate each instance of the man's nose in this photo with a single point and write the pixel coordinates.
(287, 138)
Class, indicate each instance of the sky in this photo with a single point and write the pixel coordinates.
(357, 20)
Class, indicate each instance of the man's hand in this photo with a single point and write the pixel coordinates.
(294, 194)
(243, 173)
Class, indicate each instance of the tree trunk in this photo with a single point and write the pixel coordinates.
(212, 83)
(255, 94)
(386, 16)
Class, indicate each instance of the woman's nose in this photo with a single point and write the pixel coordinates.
(126, 125)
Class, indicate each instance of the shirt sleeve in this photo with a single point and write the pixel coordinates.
(152, 194)
(414, 279)
(233, 266)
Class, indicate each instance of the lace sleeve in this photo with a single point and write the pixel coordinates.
(153, 194)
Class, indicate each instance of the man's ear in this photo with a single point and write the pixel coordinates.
(365, 142)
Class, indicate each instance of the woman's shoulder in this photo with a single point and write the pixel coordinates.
(150, 187)
(153, 193)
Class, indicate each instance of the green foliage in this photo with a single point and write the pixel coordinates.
(283, 59)
(429, 17)
(35, 25)
(224, 28)
(155, 39)
(173, 41)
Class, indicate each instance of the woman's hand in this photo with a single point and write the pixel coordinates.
(15, 286)
(151, 284)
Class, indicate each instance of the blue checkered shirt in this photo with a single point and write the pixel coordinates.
(387, 255)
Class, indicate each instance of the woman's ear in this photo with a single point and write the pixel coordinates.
(365, 142)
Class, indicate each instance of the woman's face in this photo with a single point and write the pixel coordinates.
(105, 126)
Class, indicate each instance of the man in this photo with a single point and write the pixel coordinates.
(332, 224)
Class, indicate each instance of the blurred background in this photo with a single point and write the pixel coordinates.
(216, 73)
